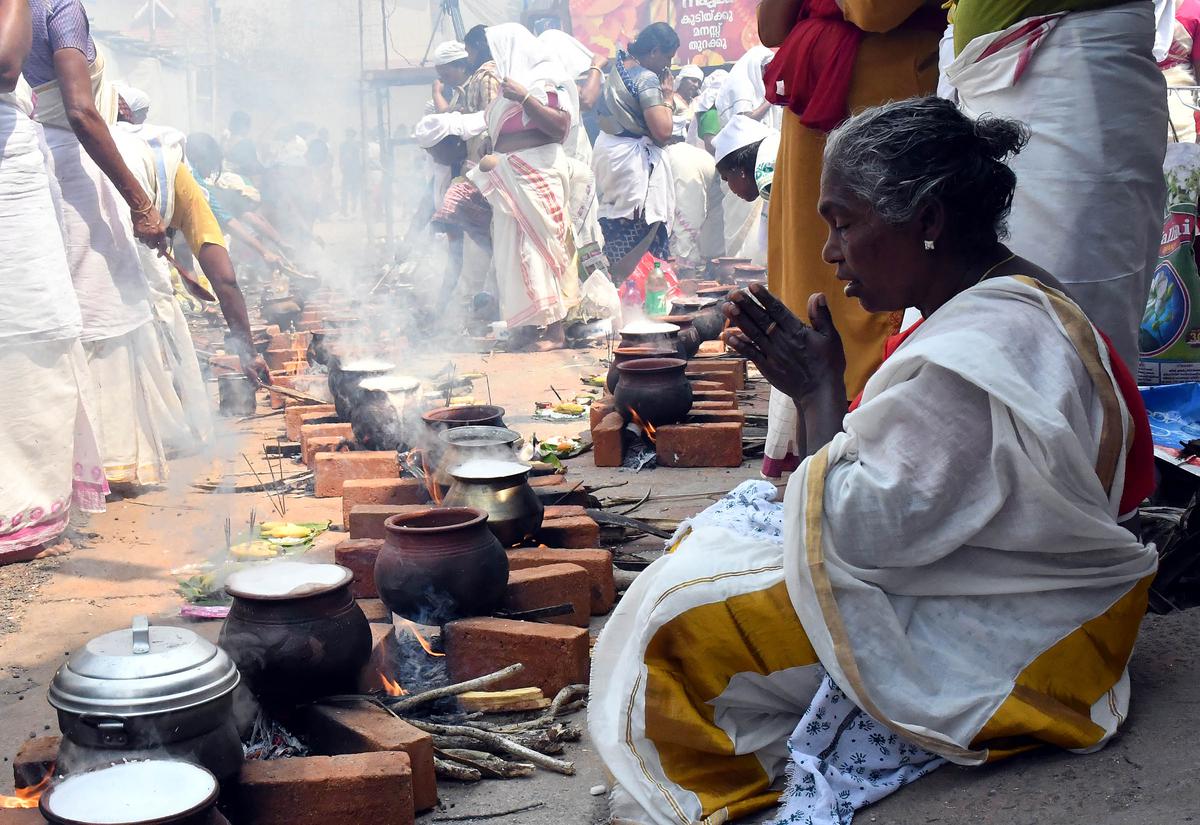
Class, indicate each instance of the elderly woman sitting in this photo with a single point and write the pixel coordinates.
(948, 577)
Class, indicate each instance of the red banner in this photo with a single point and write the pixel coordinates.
(711, 32)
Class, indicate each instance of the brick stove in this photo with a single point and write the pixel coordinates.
(710, 437)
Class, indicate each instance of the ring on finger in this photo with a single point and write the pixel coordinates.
(771, 327)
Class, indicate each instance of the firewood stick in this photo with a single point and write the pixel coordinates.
(509, 746)
(486, 763)
(540, 741)
(445, 769)
(408, 702)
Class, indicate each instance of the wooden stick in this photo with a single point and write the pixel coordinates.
(508, 745)
(404, 703)
(487, 763)
(493, 815)
(296, 394)
(258, 478)
(445, 769)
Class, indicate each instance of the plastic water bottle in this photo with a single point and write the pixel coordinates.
(655, 304)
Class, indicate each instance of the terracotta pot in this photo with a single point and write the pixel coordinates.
(476, 415)
(746, 274)
(345, 374)
(514, 511)
(622, 355)
(283, 311)
(441, 564)
(722, 269)
(295, 648)
(656, 388)
(320, 346)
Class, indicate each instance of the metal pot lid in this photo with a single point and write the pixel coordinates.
(649, 328)
(478, 436)
(143, 670)
(282, 580)
(131, 793)
(368, 365)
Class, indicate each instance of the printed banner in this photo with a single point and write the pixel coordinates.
(711, 32)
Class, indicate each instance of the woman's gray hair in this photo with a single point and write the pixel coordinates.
(902, 156)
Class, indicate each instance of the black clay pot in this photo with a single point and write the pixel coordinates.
(441, 564)
(656, 389)
(297, 646)
(622, 355)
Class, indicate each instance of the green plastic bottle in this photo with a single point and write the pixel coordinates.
(655, 304)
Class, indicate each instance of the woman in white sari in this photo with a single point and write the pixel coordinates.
(528, 182)
(949, 578)
(48, 448)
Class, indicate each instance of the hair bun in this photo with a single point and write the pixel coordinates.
(1000, 137)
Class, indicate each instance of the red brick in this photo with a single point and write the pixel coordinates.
(557, 511)
(35, 758)
(291, 416)
(571, 531)
(331, 730)
(703, 405)
(707, 386)
(550, 585)
(331, 469)
(225, 363)
(366, 520)
(322, 444)
(556, 489)
(384, 654)
(310, 315)
(597, 563)
(308, 431)
(729, 399)
(21, 816)
(712, 347)
(311, 326)
(608, 448)
(600, 408)
(278, 399)
(554, 655)
(723, 380)
(359, 556)
(373, 788)
(700, 445)
(381, 491)
(375, 610)
(713, 416)
(277, 359)
(731, 371)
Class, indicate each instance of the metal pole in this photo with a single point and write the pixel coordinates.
(383, 106)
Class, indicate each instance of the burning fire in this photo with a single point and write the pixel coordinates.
(424, 643)
(390, 687)
(646, 426)
(27, 797)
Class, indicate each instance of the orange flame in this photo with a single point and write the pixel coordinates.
(390, 687)
(646, 426)
(424, 644)
(27, 797)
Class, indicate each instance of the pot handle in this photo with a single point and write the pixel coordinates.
(111, 729)
(141, 635)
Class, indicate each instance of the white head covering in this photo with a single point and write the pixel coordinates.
(739, 132)
(575, 57)
(710, 89)
(691, 70)
(524, 58)
(745, 90)
(449, 52)
(135, 99)
(433, 129)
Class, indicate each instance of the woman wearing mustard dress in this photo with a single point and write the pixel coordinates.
(834, 59)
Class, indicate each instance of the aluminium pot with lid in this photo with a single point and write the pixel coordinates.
(148, 688)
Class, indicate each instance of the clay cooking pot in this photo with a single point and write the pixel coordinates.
(441, 564)
(623, 355)
(295, 631)
(475, 415)
(656, 388)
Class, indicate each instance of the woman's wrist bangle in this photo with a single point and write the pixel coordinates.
(145, 210)
(525, 99)
(595, 69)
